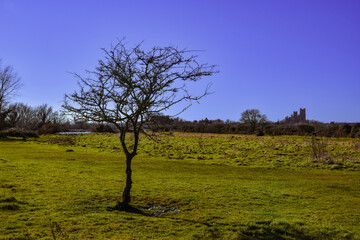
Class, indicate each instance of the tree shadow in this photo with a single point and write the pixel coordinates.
(129, 209)
(150, 210)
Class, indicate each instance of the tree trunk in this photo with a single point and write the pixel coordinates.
(126, 197)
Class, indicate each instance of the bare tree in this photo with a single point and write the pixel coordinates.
(44, 114)
(253, 118)
(57, 118)
(13, 117)
(9, 84)
(26, 116)
(32, 118)
(130, 85)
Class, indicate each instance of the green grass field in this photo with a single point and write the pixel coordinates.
(188, 186)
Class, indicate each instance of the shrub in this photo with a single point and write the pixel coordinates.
(343, 131)
(13, 132)
(103, 128)
(259, 133)
(280, 130)
(50, 128)
(357, 135)
(319, 150)
(329, 131)
(305, 129)
(355, 130)
(346, 128)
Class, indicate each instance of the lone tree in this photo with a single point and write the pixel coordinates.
(129, 86)
(253, 118)
(9, 84)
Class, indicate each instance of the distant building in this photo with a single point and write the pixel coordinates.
(296, 118)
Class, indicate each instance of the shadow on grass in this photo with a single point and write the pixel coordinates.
(10, 204)
(276, 231)
(151, 210)
(262, 230)
(13, 139)
(129, 209)
(266, 230)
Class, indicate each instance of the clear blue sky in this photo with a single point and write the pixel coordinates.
(276, 56)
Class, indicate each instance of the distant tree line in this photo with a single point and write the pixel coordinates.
(44, 120)
(25, 117)
(260, 128)
(21, 119)
(40, 119)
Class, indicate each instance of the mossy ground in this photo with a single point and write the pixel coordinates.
(188, 186)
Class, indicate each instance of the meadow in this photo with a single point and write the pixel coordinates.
(186, 186)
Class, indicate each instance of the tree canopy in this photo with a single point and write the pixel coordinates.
(253, 118)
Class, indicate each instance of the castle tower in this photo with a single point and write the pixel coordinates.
(302, 115)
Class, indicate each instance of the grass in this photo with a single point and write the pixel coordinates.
(190, 186)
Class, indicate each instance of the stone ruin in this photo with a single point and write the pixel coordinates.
(296, 118)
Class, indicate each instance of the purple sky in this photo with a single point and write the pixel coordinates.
(276, 56)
